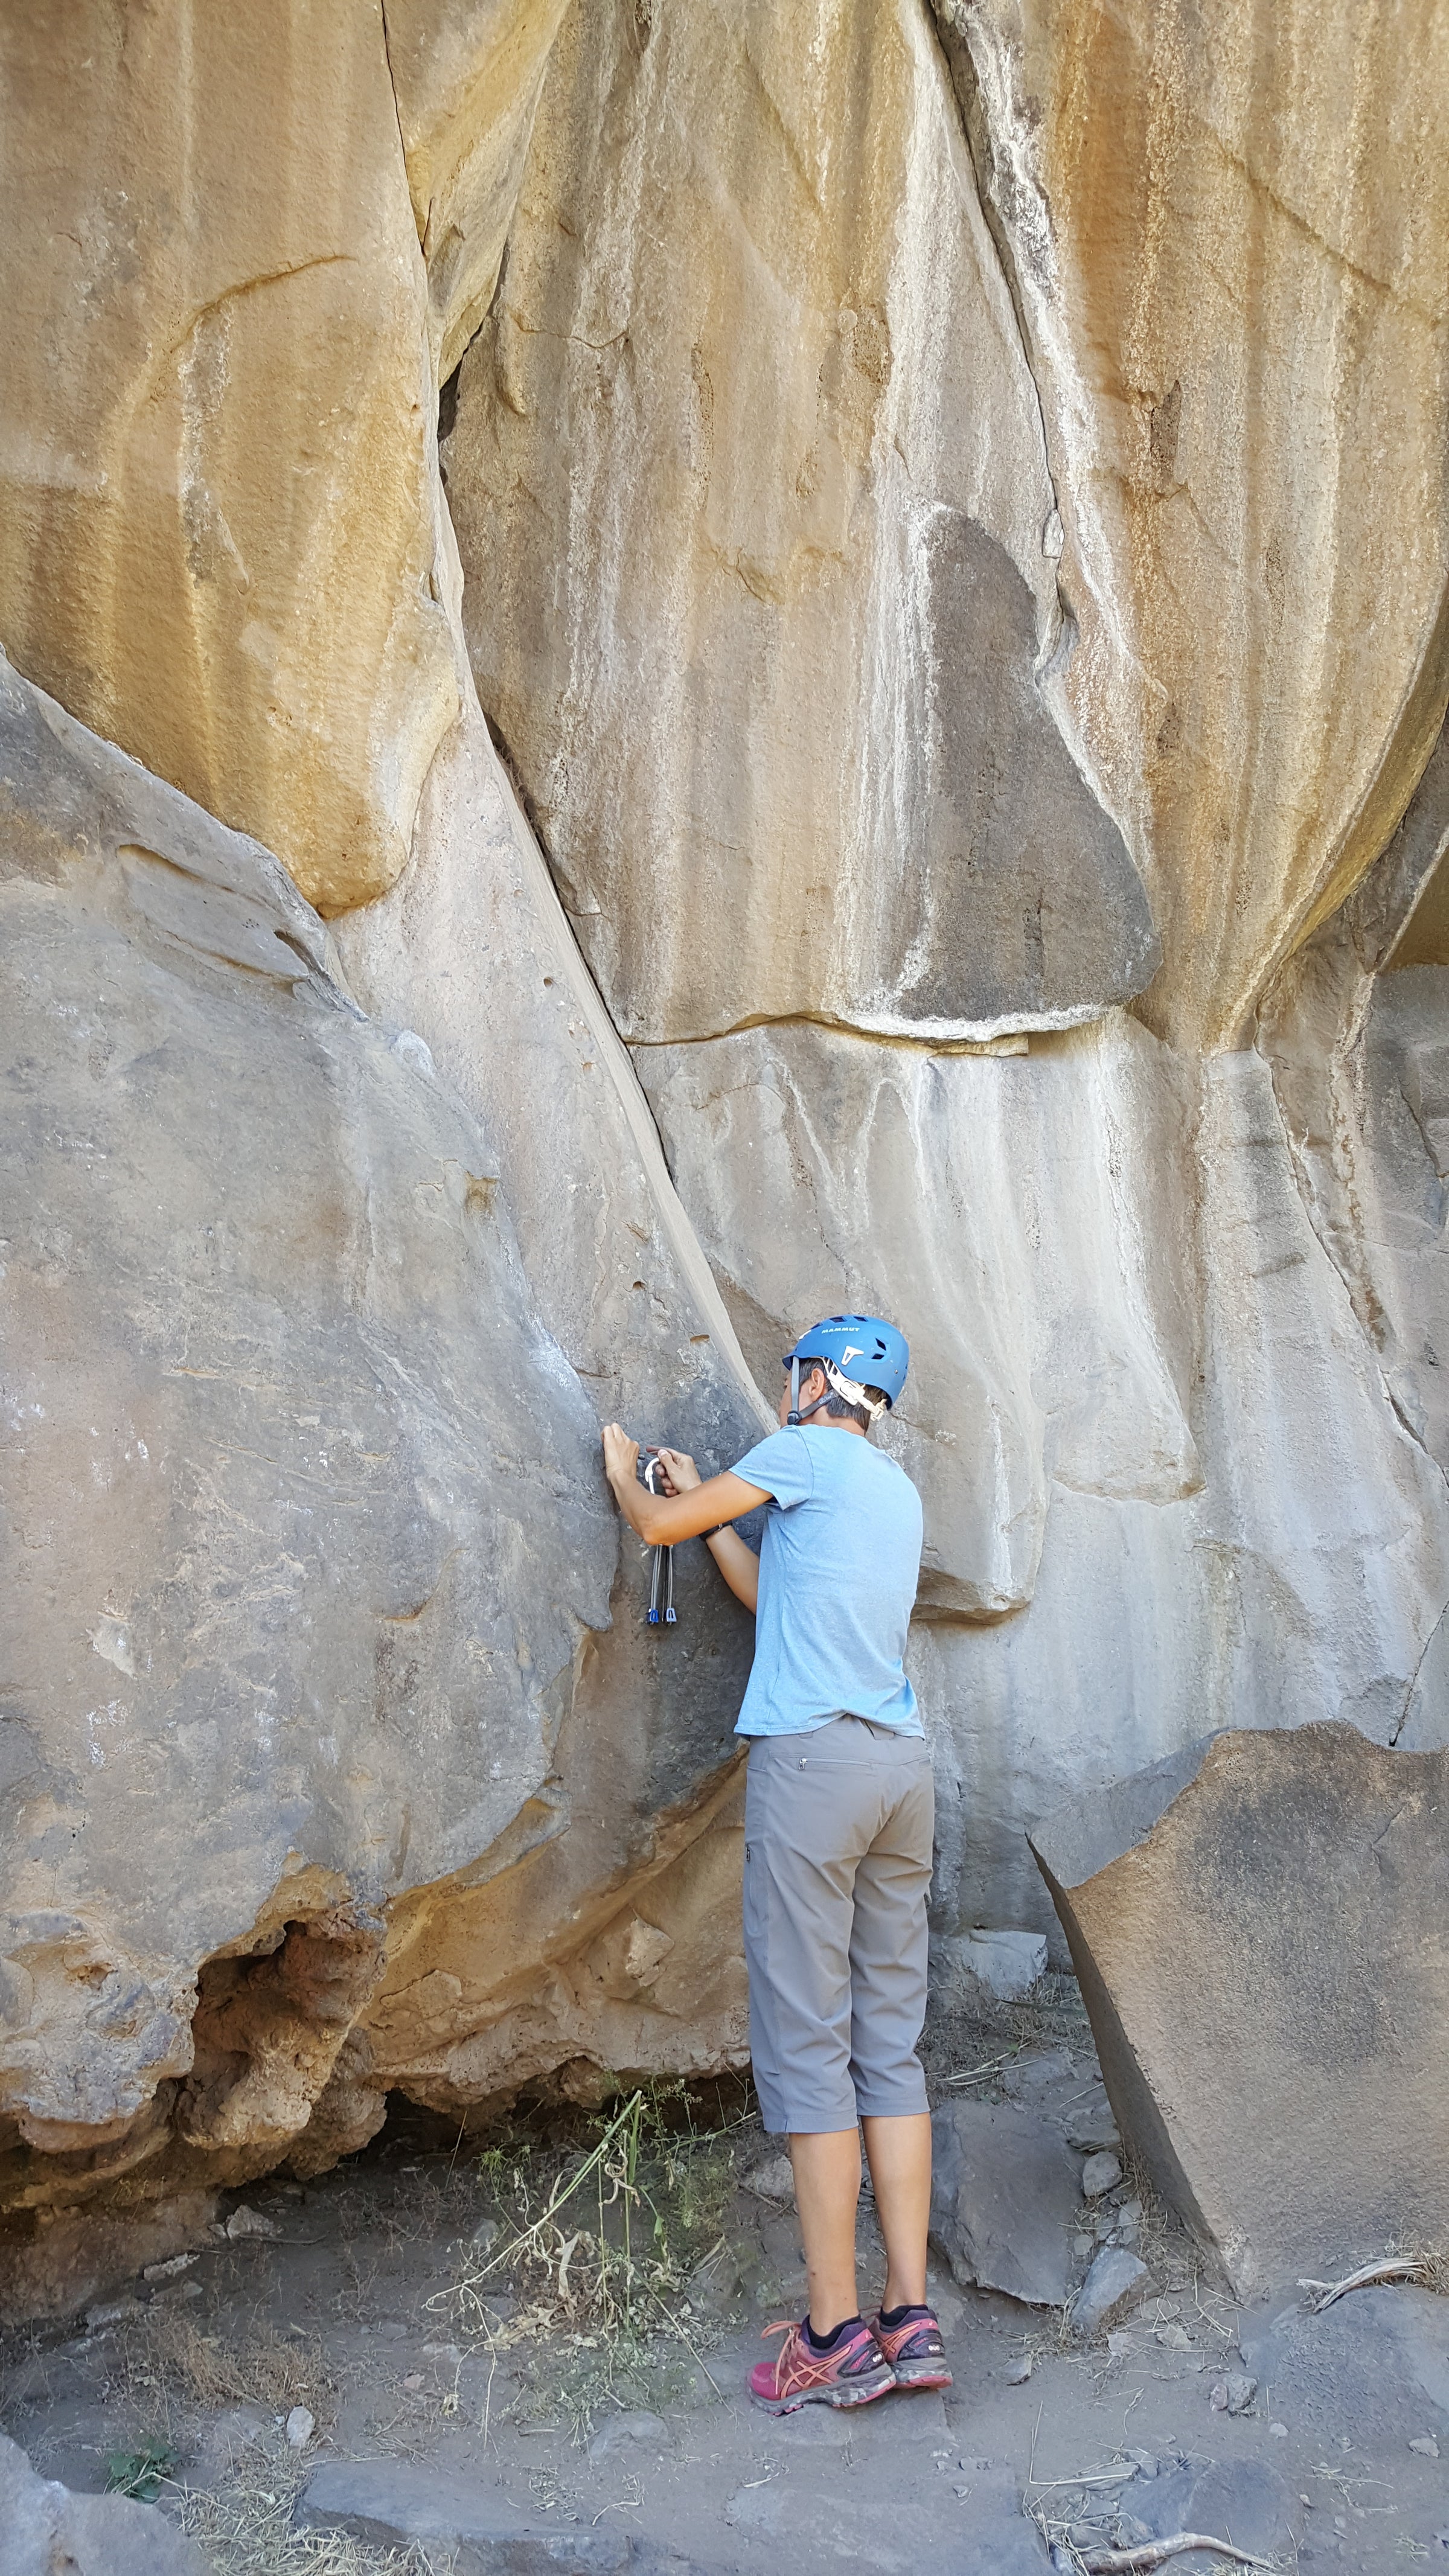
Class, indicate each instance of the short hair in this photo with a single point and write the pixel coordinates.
(837, 1405)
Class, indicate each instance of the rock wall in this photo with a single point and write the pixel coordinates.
(747, 470)
(845, 623)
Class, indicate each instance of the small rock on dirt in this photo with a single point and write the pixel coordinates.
(250, 2222)
(1100, 2173)
(167, 2271)
(773, 2181)
(1090, 2126)
(1233, 2395)
(222, 2440)
(112, 2312)
(1018, 2372)
(301, 2425)
(620, 2430)
(1039, 2074)
(1115, 2277)
(1426, 2446)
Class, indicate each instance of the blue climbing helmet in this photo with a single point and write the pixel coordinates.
(856, 1352)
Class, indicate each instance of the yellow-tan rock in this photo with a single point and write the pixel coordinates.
(467, 76)
(220, 535)
(758, 542)
(1227, 236)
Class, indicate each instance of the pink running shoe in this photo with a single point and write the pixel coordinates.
(914, 2349)
(853, 2373)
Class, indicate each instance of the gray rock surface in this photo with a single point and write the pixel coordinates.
(283, 1510)
(1003, 1966)
(999, 2541)
(1375, 2365)
(1217, 2004)
(1006, 2196)
(393, 2502)
(250, 1244)
(45, 2530)
(1245, 2501)
(1115, 2281)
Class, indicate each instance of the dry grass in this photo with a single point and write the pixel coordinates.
(247, 2531)
(595, 2250)
(168, 2368)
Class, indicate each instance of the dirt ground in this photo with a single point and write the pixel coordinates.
(442, 2303)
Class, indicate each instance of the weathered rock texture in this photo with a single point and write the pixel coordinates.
(1261, 1928)
(1006, 2195)
(758, 536)
(1138, 1386)
(221, 539)
(308, 1541)
(466, 76)
(51, 2532)
(1225, 233)
(950, 556)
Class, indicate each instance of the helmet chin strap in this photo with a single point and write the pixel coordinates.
(836, 1384)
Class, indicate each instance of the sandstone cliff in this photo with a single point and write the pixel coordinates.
(669, 665)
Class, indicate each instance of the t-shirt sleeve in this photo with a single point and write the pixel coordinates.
(780, 1466)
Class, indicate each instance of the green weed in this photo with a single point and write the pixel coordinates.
(140, 2473)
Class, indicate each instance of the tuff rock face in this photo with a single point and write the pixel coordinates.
(843, 619)
(1210, 1996)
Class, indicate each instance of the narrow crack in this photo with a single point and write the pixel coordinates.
(418, 227)
(1010, 1035)
(1414, 1679)
(250, 285)
(955, 51)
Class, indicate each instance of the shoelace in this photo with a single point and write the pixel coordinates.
(801, 2367)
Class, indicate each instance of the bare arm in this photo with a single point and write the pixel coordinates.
(662, 1520)
(738, 1564)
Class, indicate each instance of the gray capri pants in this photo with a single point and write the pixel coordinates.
(838, 1831)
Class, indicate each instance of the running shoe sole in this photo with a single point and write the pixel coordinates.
(842, 2392)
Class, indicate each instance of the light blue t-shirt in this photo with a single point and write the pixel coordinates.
(838, 1571)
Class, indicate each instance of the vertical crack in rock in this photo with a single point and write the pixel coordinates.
(951, 25)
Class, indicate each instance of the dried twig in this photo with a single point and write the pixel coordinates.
(989, 2066)
(1156, 2553)
(1402, 2267)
